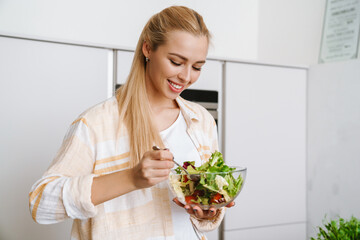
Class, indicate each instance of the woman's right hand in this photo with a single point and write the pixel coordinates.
(154, 167)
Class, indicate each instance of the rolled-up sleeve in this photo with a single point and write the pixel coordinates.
(77, 197)
(65, 189)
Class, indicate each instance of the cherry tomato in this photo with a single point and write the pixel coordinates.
(216, 198)
(189, 198)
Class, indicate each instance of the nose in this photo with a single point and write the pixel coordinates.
(185, 74)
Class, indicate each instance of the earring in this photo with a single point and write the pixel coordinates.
(146, 59)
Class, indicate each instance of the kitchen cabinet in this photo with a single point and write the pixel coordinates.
(124, 61)
(265, 130)
(43, 88)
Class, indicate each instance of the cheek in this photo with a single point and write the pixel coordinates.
(170, 70)
(194, 77)
(165, 69)
(157, 71)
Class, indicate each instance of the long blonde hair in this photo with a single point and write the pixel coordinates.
(134, 107)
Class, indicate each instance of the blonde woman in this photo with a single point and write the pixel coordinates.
(106, 176)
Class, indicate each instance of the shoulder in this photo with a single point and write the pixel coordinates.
(100, 112)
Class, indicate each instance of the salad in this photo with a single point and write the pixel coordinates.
(216, 184)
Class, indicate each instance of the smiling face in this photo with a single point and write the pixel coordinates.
(174, 66)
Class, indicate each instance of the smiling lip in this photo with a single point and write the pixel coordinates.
(175, 87)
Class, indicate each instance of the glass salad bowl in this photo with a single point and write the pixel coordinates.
(213, 184)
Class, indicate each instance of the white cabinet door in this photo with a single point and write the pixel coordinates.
(43, 88)
(265, 131)
(281, 232)
(210, 77)
(124, 61)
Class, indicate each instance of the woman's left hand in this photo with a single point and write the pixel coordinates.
(198, 212)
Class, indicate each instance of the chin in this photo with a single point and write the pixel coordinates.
(173, 96)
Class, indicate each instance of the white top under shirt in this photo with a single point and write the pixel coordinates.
(183, 149)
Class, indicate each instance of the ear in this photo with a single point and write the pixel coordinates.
(146, 49)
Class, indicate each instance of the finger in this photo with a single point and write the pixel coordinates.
(165, 164)
(162, 155)
(156, 148)
(158, 173)
(198, 211)
(212, 212)
(175, 200)
(231, 204)
(189, 210)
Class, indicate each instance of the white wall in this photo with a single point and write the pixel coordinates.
(275, 31)
(333, 158)
(232, 22)
(290, 31)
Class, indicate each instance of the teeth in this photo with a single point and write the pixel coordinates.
(175, 85)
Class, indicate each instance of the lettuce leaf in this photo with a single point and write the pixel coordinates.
(210, 184)
(234, 184)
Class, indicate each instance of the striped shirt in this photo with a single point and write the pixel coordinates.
(97, 144)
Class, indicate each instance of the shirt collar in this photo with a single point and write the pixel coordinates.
(186, 109)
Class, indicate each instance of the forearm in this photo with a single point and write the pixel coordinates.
(153, 168)
(107, 187)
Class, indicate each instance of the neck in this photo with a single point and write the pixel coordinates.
(158, 102)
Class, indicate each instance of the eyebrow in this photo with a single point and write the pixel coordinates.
(184, 58)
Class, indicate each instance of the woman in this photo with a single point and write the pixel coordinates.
(106, 175)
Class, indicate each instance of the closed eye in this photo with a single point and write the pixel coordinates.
(175, 63)
(178, 64)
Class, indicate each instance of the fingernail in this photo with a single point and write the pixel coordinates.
(166, 149)
(187, 208)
